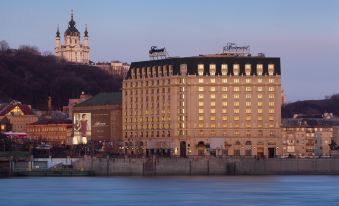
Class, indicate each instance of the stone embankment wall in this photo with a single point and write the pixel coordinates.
(210, 166)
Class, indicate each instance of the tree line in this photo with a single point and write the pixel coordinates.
(28, 76)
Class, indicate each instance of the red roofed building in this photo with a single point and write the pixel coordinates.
(19, 115)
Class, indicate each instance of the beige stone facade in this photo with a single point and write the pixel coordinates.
(114, 68)
(72, 50)
(307, 141)
(203, 105)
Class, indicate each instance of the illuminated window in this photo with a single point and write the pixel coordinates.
(259, 96)
(212, 125)
(248, 80)
(201, 104)
(271, 80)
(248, 96)
(270, 69)
(259, 89)
(248, 104)
(224, 89)
(224, 104)
(224, 69)
(271, 89)
(236, 96)
(212, 104)
(201, 89)
(212, 96)
(212, 80)
(236, 111)
(201, 80)
(212, 111)
(201, 125)
(271, 118)
(271, 104)
(224, 80)
(212, 118)
(259, 118)
(212, 69)
(201, 96)
(260, 104)
(271, 111)
(260, 69)
(201, 118)
(236, 89)
(236, 80)
(236, 104)
(224, 96)
(224, 118)
(271, 96)
(223, 111)
(212, 89)
(248, 118)
(236, 69)
(248, 111)
(248, 69)
(260, 111)
(200, 69)
(236, 118)
(248, 89)
(201, 111)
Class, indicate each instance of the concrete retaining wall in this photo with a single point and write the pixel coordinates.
(211, 166)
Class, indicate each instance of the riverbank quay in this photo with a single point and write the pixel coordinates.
(29, 166)
(207, 166)
(193, 166)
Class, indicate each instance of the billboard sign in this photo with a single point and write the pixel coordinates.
(82, 128)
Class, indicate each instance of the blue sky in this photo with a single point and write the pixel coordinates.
(304, 33)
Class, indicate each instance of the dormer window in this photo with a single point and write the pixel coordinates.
(170, 70)
(247, 69)
(236, 69)
(132, 73)
(224, 69)
(212, 69)
(159, 71)
(154, 72)
(259, 69)
(148, 72)
(271, 69)
(183, 69)
(200, 69)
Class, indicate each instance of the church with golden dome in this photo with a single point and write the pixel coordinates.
(72, 50)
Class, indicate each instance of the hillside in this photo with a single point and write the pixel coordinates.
(308, 107)
(27, 76)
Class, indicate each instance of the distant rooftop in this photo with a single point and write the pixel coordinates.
(113, 98)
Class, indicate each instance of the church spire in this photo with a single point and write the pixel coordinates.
(58, 32)
(86, 32)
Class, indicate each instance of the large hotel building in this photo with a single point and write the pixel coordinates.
(209, 104)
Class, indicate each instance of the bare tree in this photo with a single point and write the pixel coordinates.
(4, 46)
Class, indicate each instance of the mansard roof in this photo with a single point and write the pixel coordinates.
(206, 60)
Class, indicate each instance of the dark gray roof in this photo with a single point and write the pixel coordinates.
(113, 98)
(192, 63)
(72, 30)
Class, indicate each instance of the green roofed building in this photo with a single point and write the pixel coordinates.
(98, 118)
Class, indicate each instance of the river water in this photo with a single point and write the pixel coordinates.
(239, 190)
